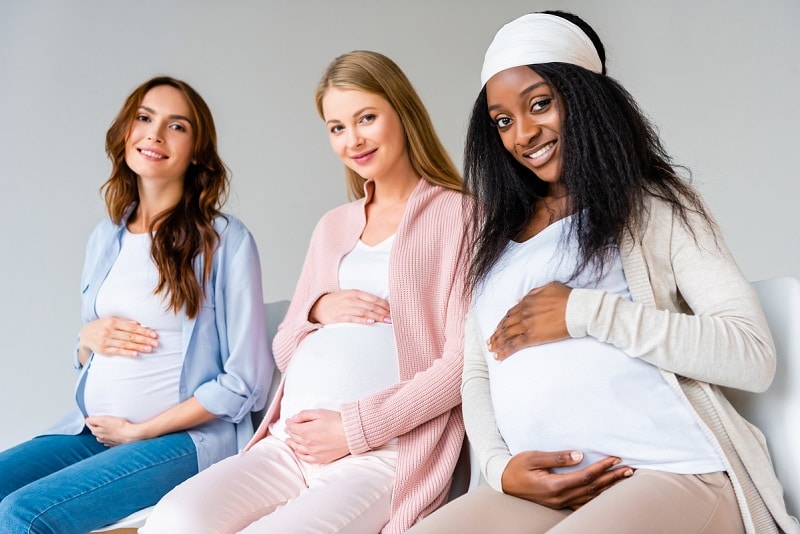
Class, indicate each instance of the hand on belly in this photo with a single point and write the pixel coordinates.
(317, 436)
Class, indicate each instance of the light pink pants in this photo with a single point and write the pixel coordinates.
(651, 502)
(267, 489)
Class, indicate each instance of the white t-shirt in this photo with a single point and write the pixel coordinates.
(344, 362)
(581, 393)
(142, 387)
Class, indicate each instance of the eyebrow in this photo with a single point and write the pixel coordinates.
(524, 92)
(356, 114)
(178, 117)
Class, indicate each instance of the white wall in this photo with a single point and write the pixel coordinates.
(720, 78)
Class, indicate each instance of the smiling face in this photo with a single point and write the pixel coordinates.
(525, 111)
(365, 132)
(160, 144)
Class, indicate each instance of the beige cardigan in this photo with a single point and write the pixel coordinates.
(693, 315)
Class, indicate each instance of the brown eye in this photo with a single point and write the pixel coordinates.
(541, 104)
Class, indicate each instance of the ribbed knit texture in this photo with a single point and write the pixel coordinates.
(426, 282)
(696, 318)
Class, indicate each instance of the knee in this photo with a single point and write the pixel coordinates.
(22, 511)
(175, 515)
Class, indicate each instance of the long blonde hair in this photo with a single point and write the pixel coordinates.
(364, 70)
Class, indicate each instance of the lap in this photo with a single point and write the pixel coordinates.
(486, 510)
(132, 476)
(42, 456)
(650, 501)
(659, 502)
(262, 487)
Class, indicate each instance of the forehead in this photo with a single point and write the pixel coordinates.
(167, 100)
(512, 82)
(338, 104)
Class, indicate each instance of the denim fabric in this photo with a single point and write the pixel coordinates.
(64, 484)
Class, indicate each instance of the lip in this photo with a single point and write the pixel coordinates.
(363, 157)
(152, 154)
(540, 154)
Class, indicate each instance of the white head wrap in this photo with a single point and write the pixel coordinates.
(539, 38)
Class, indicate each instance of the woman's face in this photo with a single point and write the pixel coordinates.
(365, 132)
(525, 110)
(160, 143)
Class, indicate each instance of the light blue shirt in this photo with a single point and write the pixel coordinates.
(228, 362)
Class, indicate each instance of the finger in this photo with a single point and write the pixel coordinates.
(377, 307)
(593, 479)
(577, 497)
(136, 338)
(134, 327)
(552, 459)
(304, 416)
(298, 448)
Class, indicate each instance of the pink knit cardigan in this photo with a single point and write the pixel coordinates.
(426, 282)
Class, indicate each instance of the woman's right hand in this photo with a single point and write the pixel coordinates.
(113, 336)
(350, 306)
(528, 476)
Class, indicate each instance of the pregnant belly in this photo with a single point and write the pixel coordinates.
(136, 389)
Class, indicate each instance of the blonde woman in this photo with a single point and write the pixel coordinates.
(366, 429)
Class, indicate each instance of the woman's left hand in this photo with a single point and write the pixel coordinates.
(539, 317)
(110, 430)
(317, 436)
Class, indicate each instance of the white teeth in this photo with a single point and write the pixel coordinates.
(151, 154)
(542, 151)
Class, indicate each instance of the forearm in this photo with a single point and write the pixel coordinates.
(479, 418)
(188, 414)
(694, 313)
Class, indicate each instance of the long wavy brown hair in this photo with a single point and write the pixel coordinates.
(186, 231)
(375, 73)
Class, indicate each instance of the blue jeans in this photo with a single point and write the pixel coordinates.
(62, 484)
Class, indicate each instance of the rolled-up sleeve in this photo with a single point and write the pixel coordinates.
(242, 384)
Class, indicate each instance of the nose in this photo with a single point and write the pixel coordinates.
(528, 130)
(354, 138)
(154, 133)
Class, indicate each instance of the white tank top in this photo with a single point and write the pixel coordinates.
(344, 362)
(142, 387)
(581, 393)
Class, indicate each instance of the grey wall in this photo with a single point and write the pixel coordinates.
(720, 78)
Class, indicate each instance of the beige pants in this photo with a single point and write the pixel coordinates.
(649, 502)
(267, 489)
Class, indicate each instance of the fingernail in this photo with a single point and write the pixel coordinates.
(387, 320)
(616, 462)
(576, 455)
(628, 473)
(370, 321)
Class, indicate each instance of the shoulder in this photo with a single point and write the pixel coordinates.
(104, 231)
(697, 212)
(342, 215)
(228, 224)
(441, 200)
(232, 231)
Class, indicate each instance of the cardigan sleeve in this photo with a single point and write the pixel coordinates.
(247, 365)
(723, 340)
(479, 419)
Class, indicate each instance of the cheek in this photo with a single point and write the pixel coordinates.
(338, 146)
(507, 138)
